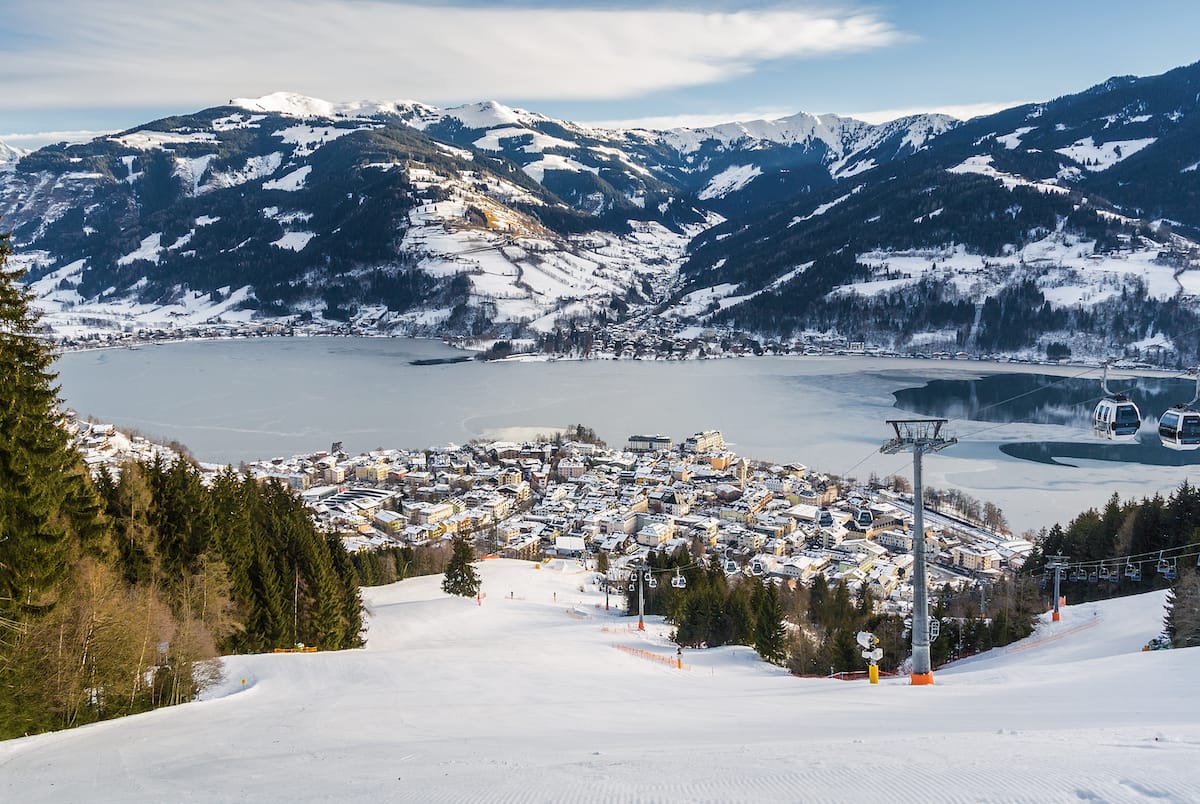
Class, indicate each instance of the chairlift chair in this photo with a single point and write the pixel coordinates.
(1133, 571)
(1076, 575)
(756, 567)
(1166, 567)
(1093, 577)
(679, 582)
(1116, 417)
(731, 567)
(652, 583)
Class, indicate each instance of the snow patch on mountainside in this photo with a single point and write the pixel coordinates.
(309, 138)
(537, 170)
(698, 303)
(191, 171)
(983, 166)
(1013, 139)
(1101, 156)
(149, 250)
(146, 140)
(537, 142)
(823, 208)
(237, 121)
(294, 241)
(729, 180)
(291, 182)
(256, 167)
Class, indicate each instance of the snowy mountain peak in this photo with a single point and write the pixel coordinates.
(9, 156)
(491, 114)
(293, 104)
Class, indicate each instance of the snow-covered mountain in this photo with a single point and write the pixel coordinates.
(9, 156)
(398, 215)
(1069, 227)
(483, 219)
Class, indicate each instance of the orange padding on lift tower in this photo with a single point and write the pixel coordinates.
(921, 679)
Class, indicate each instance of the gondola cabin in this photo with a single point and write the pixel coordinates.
(1179, 428)
(1116, 418)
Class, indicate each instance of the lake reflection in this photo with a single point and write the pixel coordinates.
(1068, 401)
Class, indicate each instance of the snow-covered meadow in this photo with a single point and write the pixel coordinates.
(526, 698)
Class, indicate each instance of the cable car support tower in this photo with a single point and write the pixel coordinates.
(918, 436)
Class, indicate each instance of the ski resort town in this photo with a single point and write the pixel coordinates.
(568, 496)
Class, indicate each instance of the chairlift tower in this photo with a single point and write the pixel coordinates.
(1058, 564)
(918, 436)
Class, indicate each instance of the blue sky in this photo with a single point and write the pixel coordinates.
(123, 62)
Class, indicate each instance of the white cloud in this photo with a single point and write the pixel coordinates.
(962, 111)
(120, 52)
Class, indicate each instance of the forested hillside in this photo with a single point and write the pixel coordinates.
(1132, 547)
(116, 595)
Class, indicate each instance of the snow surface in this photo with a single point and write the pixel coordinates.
(149, 249)
(1013, 138)
(291, 182)
(537, 170)
(294, 241)
(983, 166)
(295, 105)
(256, 167)
(1101, 156)
(148, 140)
(527, 698)
(823, 208)
(191, 170)
(309, 138)
(9, 156)
(538, 142)
(729, 180)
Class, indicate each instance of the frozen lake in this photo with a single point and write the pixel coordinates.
(236, 400)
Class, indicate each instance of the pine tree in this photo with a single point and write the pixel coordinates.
(1183, 610)
(42, 481)
(770, 634)
(461, 576)
(50, 520)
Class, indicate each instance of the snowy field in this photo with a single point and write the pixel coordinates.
(525, 698)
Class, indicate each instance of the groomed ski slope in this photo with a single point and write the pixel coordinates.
(525, 699)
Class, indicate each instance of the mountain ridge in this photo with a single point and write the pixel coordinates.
(485, 220)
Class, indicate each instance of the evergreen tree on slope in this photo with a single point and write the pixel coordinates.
(461, 577)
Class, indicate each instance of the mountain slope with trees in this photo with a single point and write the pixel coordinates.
(116, 595)
(922, 234)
